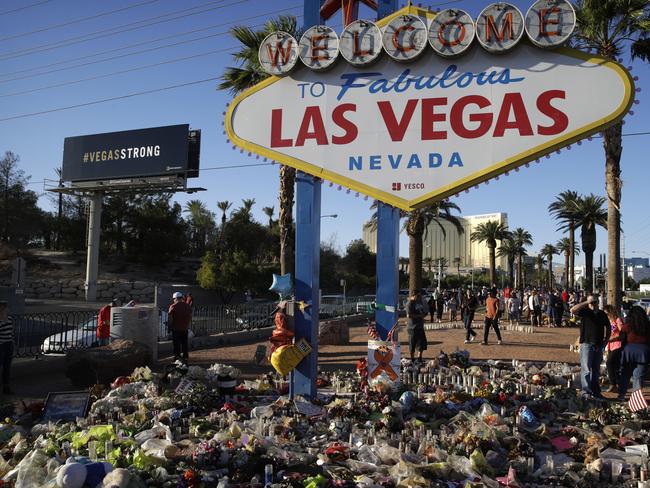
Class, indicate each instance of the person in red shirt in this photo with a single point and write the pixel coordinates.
(189, 300)
(104, 323)
(179, 320)
(491, 317)
(636, 352)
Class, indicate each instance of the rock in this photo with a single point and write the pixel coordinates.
(85, 367)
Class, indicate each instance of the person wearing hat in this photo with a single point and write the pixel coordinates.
(179, 320)
(104, 323)
(6, 346)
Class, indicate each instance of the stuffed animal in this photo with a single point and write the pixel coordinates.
(75, 474)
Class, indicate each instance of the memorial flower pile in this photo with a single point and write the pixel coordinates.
(448, 423)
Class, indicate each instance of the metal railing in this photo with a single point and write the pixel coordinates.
(53, 332)
(57, 332)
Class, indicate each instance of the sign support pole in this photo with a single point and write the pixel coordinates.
(92, 252)
(387, 267)
(387, 239)
(307, 252)
(308, 198)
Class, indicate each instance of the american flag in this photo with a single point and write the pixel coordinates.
(637, 401)
(372, 331)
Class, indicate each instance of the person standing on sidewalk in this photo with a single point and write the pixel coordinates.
(6, 347)
(636, 352)
(469, 306)
(104, 323)
(594, 334)
(614, 348)
(179, 319)
(416, 311)
(492, 308)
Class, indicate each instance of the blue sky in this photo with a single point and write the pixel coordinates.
(28, 44)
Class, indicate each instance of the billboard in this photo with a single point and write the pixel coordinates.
(158, 151)
(411, 133)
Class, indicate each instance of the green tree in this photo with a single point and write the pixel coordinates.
(330, 264)
(158, 232)
(489, 233)
(201, 223)
(608, 27)
(548, 251)
(522, 239)
(590, 212)
(563, 210)
(246, 74)
(358, 267)
(564, 247)
(21, 218)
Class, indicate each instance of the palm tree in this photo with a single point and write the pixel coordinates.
(201, 223)
(563, 210)
(490, 232)
(239, 78)
(510, 250)
(539, 264)
(224, 206)
(428, 263)
(564, 247)
(590, 214)
(246, 210)
(457, 263)
(607, 27)
(269, 211)
(548, 251)
(522, 238)
(416, 224)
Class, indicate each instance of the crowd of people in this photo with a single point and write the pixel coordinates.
(622, 336)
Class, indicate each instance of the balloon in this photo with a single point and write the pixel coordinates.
(282, 285)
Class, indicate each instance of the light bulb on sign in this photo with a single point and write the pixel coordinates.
(360, 43)
(451, 33)
(319, 47)
(499, 14)
(405, 38)
(278, 53)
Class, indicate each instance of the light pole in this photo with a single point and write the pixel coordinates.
(332, 216)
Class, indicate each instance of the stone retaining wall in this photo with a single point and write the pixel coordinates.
(72, 289)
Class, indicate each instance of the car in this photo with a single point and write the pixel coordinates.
(82, 336)
(254, 320)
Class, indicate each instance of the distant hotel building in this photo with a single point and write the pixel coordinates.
(435, 244)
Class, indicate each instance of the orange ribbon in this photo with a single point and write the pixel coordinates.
(383, 356)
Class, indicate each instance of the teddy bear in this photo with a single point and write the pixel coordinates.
(80, 472)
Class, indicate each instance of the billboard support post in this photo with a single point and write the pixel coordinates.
(92, 254)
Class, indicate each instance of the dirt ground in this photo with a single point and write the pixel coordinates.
(545, 344)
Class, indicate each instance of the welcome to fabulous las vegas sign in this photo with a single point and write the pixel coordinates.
(420, 106)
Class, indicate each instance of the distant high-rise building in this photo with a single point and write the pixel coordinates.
(452, 246)
(644, 262)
